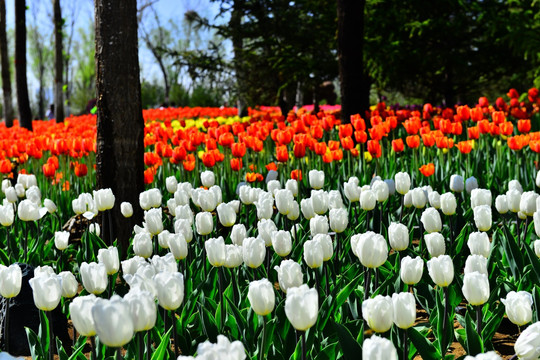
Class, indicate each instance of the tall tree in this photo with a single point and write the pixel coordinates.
(120, 125)
(6, 75)
(23, 102)
(40, 56)
(354, 84)
(59, 63)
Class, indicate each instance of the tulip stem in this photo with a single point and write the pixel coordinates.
(366, 283)
(25, 241)
(175, 335)
(118, 353)
(450, 251)
(268, 256)
(338, 247)
(303, 336)
(445, 318)
(93, 347)
(367, 220)
(479, 320)
(6, 325)
(140, 341)
(523, 241)
(222, 308)
(51, 335)
(325, 268)
(110, 224)
(148, 345)
(261, 351)
(517, 230)
(402, 208)
(405, 345)
(376, 281)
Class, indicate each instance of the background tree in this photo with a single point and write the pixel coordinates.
(6, 73)
(59, 63)
(120, 124)
(23, 102)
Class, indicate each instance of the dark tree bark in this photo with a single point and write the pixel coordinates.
(354, 84)
(23, 102)
(6, 76)
(238, 47)
(120, 124)
(58, 63)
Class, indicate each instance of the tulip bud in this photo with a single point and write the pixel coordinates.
(282, 243)
(339, 219)
(261, 297)
(181, 197)
(204, 223)
(233, 256)
(142, 308)
(326, 244)
(170, 289)
(80, 310)
(104, 199)
(113, 322)
(206, 200)
(289, 274)
(398, 236)
(272, 186)
(476, 263)
(142, 245)
(391, 186)
(316, 179)
(178, 246)
(527, 204)
(302, 307)
(109, 258)
(208, 178)
(419, 198)
(518, 307)
(165, 263)
(435, 244)
(476, 288)
(351, 191)
(182, 226)
(306, 206)
(434, 199)
(513, 198)
(163, 239)
(378, 313)
(335, 201)
(378, 348)
(130, 266)
(482, 217)
(47, 291)
(153, 221)
(238, 234)
(411, 270)
(69, 284)
(431, 219)
(318, 225)
(10, 280)
(19, 190)
(313, 254)
(319, 201)
(294, 213)
(456, 183)
(537, 248)
(371, 249)
(368, 200)
(501, 204)
(126, 209)
(441, 270)
(61, 240)
(407, 200)
(404, 309)
(490, 355)
(381, 190)
(44, 270)
(215, 251)
(50, 205)
(284, 201)
(471, 184)
(94, 277)
(515, 185)
(28, 211)
(94, 229)
(253, 251)
(521, 215)
(479, 244)
(266, 228)
(527, 346)
(150, 199)
(226, 215)
(7, 214)
(265, 207)
(403, 182)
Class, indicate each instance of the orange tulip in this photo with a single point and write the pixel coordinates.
(464, 146)
(296, 175)
(271, 166)
(238, 149)
(427, 170)
(360, 136)
(282, 154)
(337, 154)
(474, 133)
(5, 166)
(413, 141)
(506, 128)
(48, 170)
(299, 150)
(236, 164)
(347, 143)
(464, 113)
(358, 123)
(428, 139)
(498, 117)
(524, 126)
(226, 139)
(345, 130)
(397, 145)
(483, 126)
(374, 148)
(477, 114)
(535, 146)
(80, 169)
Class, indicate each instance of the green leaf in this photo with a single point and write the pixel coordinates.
(349, 346)
(36, 350)
(161, 351)
(269, 334)
(425, 348)
(474, 344)
(328, 353)
(533, 259)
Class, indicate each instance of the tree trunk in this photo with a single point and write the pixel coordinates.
(58, 64)
(6, 76)
(238, 47)
(23, 102)
(354, 84)
(120, 124)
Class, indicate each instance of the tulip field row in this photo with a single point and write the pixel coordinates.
(403, 233)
